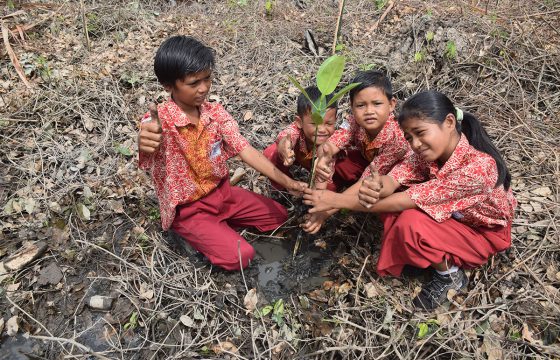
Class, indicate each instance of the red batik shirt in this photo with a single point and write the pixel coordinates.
(463, 188)
(191, 159)
(384, 151)
(302, 153)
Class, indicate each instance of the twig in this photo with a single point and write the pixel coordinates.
(356, 299)
(12, 55)
(338, 24)
(241, 264)
(383, 16)
(84, 24)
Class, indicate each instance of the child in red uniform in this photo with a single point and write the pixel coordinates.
(294, 144)
(370, 136)
(458, 207)
(185, 143)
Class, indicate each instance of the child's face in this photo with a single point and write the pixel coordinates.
(191, 91)
(324, 131)
(371, 109)
(430, 139)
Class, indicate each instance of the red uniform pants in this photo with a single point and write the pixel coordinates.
(347, 170)
(413, 238)
(206, 224)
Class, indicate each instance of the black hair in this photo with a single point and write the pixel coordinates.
(436, 106)
(180, 56)
(304, 105)
(371, 78)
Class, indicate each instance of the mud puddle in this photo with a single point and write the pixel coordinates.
(280, 274)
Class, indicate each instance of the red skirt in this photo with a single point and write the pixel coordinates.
(413, 238)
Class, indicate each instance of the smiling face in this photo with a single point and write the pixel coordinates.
(371, 109)
(324, 131)
(430, 139)
(191, 91)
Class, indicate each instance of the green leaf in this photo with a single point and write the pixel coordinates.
(422, 330)
(330, 73)
(317, 118)
(123, 150)
(341, 93)
(302, 89)
(279, 307)
(266, 310)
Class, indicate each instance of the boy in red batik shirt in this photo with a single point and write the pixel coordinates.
(185, 143)
(294, 144)
(458, 208)
(370, 136)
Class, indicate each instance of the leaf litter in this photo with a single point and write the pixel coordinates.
(68, 177)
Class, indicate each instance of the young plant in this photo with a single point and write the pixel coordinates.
(328, 77)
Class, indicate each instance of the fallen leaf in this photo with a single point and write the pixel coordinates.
(12, 326)
(542, 191)
(251, 300)
(371, 290)
(83, 211)
(492, 348)
(1, 325)
(145, 292)
(187, 321)
(248, 115)
(224, 346)
(13, 287)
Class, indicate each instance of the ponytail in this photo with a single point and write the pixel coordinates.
(479, 139)
(435, 105)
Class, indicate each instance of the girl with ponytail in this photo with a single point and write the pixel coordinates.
(457, 206)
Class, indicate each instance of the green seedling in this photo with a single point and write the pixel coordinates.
(268, 5)
(132, 322)
(380, 4)
(451, 50)
(328, 77)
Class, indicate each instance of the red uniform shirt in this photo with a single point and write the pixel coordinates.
(384, 151)
(191, 159)
(463, 188)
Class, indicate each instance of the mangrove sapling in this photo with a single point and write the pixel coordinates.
(328, 77)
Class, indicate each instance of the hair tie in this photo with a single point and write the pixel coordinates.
(459, 113)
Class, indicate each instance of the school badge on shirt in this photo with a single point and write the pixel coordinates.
(216, 149)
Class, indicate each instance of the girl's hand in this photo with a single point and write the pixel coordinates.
(149, 138)
(286, 152)
(320, 200)
(369, 192)
(313, 222)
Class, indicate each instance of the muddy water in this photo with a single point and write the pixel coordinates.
(280, 274)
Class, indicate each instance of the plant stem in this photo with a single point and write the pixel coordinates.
(314, 155)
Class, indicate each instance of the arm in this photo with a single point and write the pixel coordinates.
(259, 162)
(325, 200)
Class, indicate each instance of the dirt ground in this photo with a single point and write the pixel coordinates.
(76, 76)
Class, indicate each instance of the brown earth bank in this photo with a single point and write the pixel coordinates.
(85, 270)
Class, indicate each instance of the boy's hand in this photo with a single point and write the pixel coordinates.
(296, 188)
(149, 138)
(314, 222)
(325, 164)
(320, 200)
(370, 189)
(286, 152)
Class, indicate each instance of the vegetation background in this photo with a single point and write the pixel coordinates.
(79, 220)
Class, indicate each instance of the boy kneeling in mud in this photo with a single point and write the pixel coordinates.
(184, 144)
